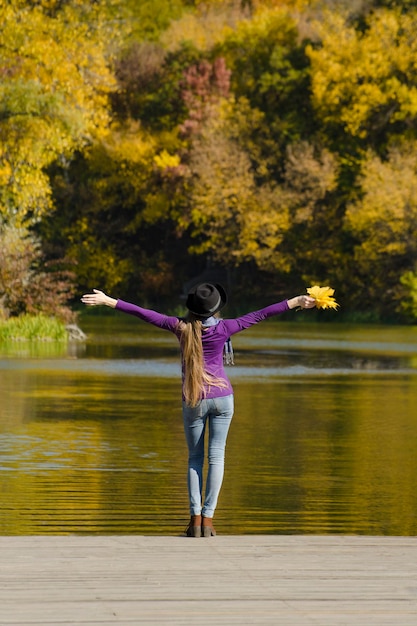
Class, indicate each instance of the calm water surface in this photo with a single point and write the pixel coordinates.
(324, 438)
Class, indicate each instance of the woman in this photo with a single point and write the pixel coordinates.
(207, 392)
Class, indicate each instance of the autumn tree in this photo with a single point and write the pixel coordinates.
(260, 193)
(383, 222)
(361, 92)
(270, 69)
(232, 219)
(28, 282)
(53, 100)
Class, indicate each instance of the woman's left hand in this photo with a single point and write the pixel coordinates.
(302, 302)
(307, 302)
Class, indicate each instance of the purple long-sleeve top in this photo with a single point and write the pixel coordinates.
(213, 337)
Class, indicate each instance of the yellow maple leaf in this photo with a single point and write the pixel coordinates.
(323, 297)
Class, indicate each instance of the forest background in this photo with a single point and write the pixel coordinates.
(269, 144)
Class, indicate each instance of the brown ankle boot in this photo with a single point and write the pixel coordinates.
(207, 528)
(194, 527)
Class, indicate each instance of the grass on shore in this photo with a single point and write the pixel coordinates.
(32, 328)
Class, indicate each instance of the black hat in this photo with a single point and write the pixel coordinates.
(206, 299)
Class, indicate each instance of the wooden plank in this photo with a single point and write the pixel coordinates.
(226, 580)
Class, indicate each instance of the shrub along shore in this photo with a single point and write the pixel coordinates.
(38, 328)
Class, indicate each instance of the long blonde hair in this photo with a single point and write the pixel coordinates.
(196, 380)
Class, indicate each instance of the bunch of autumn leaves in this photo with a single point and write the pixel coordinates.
(323, 297)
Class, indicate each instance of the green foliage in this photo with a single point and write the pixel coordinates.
(408, 303)
(33, 328)
(270, 69)
(150, 80)
(147, 19)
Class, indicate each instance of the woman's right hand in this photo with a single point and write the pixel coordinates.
(98, 298)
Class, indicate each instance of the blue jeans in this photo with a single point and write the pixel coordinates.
(218, 413)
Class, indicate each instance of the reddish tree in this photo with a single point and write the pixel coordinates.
(203, 86)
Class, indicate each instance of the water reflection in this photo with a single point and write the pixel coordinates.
(323, 441)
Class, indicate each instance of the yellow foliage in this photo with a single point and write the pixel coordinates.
(355, 73)
(262, 230)
(299, 5)
(310, 175)
(129, 144)
(164, 160)
(231, 216)
(204, 28)
(53, 101)
(5, 172)
(98, 263)
(383, 218)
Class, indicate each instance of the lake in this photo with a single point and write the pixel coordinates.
(324, 437)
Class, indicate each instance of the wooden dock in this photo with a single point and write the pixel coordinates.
(226, 580)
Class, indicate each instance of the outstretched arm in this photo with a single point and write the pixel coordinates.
(246, 321)
(98, 298)
(147, 315)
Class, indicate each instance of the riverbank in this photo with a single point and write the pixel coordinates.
(227, 580)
